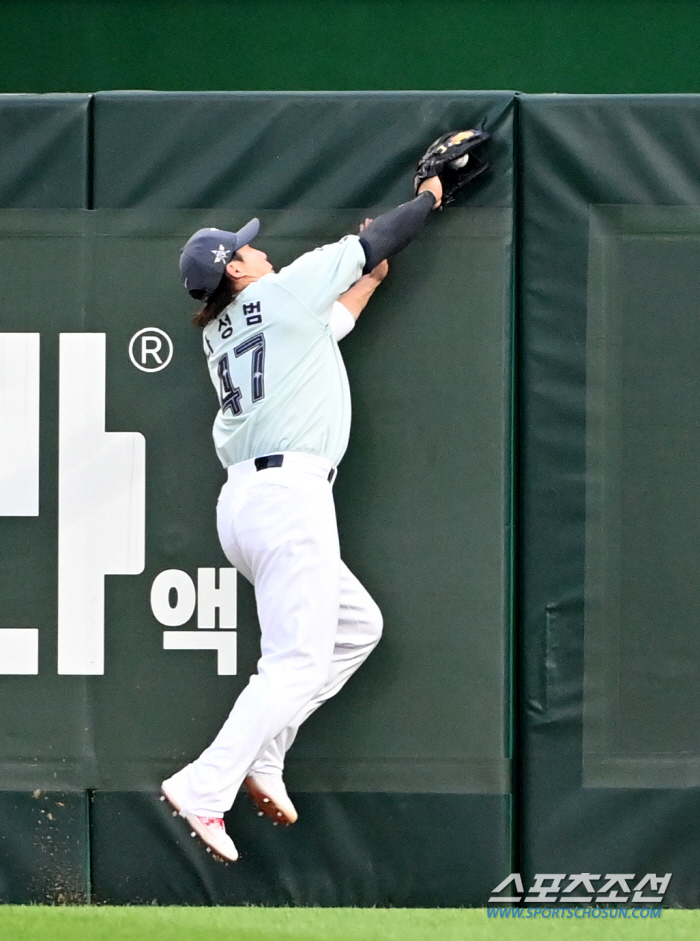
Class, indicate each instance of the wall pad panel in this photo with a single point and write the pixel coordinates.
(128, 484)
(610, 250)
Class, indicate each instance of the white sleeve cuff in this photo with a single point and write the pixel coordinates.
(341, 321)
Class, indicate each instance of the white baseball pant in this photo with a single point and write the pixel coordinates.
(318, 624)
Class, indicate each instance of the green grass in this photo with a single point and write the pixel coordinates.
(105, 923)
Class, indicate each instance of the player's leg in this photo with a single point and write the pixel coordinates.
(359, 630)
(286, 535)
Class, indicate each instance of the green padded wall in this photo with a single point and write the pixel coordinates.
(403, 781)
(44, 846)
(428, 537)
(423, 731)
(610, 261)
(44, 142)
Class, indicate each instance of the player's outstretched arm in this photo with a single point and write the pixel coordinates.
(352, 302)
(355, 298)
(447, 165)
(389, 233)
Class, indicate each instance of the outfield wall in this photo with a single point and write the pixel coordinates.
(418, 744)
(610, 256)
(522, 712)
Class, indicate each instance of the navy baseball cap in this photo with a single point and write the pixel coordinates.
(206, 254)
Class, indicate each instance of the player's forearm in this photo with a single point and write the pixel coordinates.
(389, 233)
(355, 299)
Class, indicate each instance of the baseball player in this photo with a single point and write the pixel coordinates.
(270, 339)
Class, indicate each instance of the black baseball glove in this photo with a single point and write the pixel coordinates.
(452, 158)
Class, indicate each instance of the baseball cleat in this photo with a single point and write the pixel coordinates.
(268, 793)
(210, 830)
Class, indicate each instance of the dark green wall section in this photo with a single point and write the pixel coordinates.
(610, 256)
(44, 151)
(597, 46)
(44, 848)
(44, 834)
(282, 150)
(355, 849)
(404, 778)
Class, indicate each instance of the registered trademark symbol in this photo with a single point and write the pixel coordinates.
(150, 349)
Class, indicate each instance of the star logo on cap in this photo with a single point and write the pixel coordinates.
(220, 254)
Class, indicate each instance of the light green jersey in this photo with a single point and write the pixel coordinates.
(275, 364)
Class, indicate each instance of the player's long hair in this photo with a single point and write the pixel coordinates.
(217, 302)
